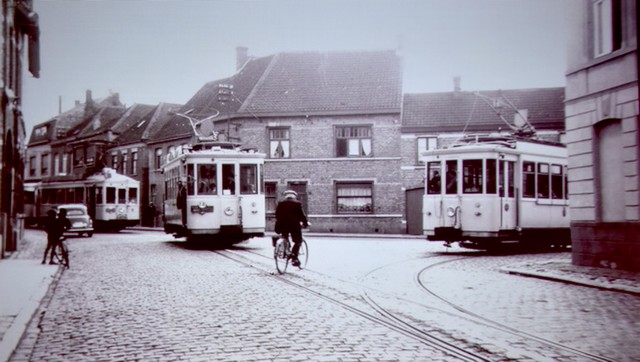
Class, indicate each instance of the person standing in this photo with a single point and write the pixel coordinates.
(290, 219)
(181, 202)
(52, 230)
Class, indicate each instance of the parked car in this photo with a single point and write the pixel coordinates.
(81, 222)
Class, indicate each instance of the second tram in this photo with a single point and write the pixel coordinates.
(112, 199)
(487, 191)
(214, 191)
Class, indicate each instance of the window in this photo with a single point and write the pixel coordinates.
(434, 171)
(78, 156)
(114, 161)
(426, 144)
(63, 165)
(99, 199)
(228, 179)
(125, 163)
(56, 164)
(452, 177)
(133, 195)
(607, 20)
(528, 179)
(32, 166)
(353, 141)
(191, 178)
(134, 162)
(44, 165)
(543, 180)
(271, 197)
(491, 177)
(207, 176)
(248, 179)
(279, 143)
(354, 198)
(111, 195)
(472, 176)
(158, 157)
(122, 196)
(557, 182)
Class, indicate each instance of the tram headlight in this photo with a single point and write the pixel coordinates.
(450, 211)
(228, 211)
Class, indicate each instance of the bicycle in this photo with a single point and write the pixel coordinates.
(63, 257)
(282, 254)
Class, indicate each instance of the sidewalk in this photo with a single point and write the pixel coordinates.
(24, 282)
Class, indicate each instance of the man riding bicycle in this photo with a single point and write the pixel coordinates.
(290, 219)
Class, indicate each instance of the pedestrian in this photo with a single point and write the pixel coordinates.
(181, 202)
(151, 214)
(290, 219)
(51, 228)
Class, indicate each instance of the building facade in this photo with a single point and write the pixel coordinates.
(19, 35)
(602, 134)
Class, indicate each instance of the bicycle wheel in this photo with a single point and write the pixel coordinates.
(281, 256)
(64, 255)
(303, 254)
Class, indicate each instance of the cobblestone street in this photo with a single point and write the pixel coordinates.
(143, 296)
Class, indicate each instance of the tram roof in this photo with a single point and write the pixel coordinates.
(507, 144)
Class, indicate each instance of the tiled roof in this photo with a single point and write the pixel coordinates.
(205, 102)
(72, 119)
(367, 81)
(472, 111)
(133, 123)
(103, 121)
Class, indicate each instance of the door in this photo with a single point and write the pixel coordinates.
(413, 205)
(506, 192)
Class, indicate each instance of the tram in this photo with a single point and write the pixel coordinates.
(214, 191)
(487, 191)
(112, 199)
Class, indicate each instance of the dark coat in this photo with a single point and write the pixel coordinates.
(289, 216)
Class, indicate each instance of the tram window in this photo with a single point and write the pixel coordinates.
(512, 179)
(472, 176)
(70, 196)
(111, 195)
(207, 176)
(122, 196)
(99, 200)
(248, 179)
(543, 180)
(556, 182)
(528, 179)
(501, 179)
(191, 179)
(491, 177)
(228, 179)
(79, 195)
(133, 195)
(434, 185)
(452, 177)
(59, 196)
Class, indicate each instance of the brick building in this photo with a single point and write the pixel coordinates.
(20, 33)
(602, 133)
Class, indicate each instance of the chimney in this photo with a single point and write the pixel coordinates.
(456, 84)
(242, 55)
(88, 104)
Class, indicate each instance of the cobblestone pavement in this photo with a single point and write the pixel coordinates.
(130, 297)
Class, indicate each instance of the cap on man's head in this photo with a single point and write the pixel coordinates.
(290, 194)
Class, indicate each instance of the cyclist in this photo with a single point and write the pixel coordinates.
(290, 219)
(51, 227)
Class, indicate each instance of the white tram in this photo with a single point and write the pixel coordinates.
(487, 191)
(112, 199)
(224, 192)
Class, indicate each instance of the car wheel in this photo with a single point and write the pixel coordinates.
(89, 234)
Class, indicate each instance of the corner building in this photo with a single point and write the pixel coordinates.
(602, 134)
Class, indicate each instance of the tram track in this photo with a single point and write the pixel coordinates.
(383, 318)
(500, 326)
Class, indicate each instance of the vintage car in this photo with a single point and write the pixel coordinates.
(81, 222)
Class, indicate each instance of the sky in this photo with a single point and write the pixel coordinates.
(152, 51)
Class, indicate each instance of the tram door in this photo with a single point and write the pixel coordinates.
(507, 195)
(229, 202)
